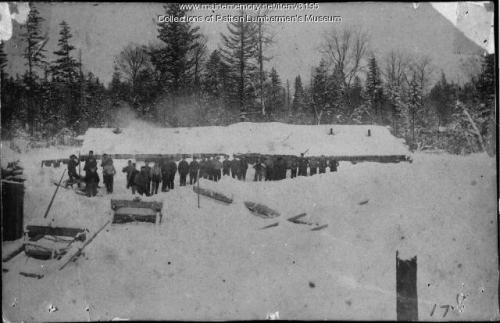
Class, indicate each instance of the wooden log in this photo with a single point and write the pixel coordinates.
(30, 275)
(213, 194)
(270, 225)
(14, 253)
(36, 230)
(261, 210)
(321, 227)
(296, 217)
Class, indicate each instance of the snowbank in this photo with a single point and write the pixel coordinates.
(265, 138)
(216, 263)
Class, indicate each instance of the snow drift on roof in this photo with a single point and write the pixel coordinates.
(271, 138)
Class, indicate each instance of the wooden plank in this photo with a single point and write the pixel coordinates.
(270, 225)
(31, 275)
(154, 205)
(213, 194)
(14, 253)
(321, 227)
(35, 230)
(296, 217)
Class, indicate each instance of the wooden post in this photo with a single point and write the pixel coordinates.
(406, 289)
(198, 180)
(54, 195)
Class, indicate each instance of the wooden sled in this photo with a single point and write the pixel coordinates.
(261, 210)
(125, 211)
(213, 194)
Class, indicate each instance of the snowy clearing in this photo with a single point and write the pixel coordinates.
(216, 263)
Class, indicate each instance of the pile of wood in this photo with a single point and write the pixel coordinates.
(13, 172)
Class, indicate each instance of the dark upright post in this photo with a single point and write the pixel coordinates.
(406, 288)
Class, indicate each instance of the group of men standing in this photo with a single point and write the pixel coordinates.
(91, 177)
(146, 180)
(275, 168)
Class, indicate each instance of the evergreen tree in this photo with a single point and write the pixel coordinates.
(374, 91)
(274, 95)
(34, 50)
(321, 91)
(298, 96)
(175, 60)
(238, 53)
(65, 67)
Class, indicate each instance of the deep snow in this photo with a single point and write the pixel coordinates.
(215, 262)
(272, 138)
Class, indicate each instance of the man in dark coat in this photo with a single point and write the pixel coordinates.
(303, 163)
(333, 165)
(243, 168)
(313, 166)
(164, 174)
(203, 168)
(90, 163)
(183, 171)
(141, 181)
(73, 175)
(269, 162)
(148, 172)
(172, 169)
(235, 168)
(322, 165)
(293, 167)
(226, 166)
(210, 166)
(91, 181)
(259, 170)
(127, 170)
(193, 171)
(276, 169)
(217, 169)
(131, 178)
(281, 168)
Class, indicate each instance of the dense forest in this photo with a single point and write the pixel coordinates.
(178, 82)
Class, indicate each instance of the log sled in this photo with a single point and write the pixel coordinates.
(261, 210)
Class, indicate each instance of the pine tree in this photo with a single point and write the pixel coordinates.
(238, 53)
(175, 60)
(374, 91)
(65, 67)
(298, 96)
(34, 50)
(321, 91)
(274, 95)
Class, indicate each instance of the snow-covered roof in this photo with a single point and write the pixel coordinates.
(271, 138)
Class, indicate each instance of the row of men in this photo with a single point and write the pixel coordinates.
(147, 180)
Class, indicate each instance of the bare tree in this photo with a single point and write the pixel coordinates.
(345, 50)
(421, 69)
(132, 60)
(395, 68)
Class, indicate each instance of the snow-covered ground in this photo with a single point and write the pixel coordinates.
(215, 262)
(271, 138)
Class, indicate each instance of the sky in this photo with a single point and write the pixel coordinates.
(448, 33)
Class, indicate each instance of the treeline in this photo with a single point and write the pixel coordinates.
(177, 81)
